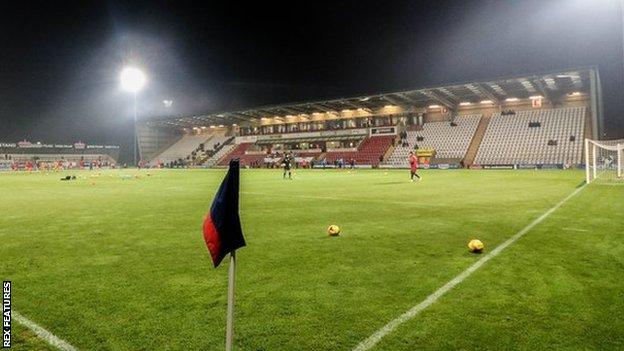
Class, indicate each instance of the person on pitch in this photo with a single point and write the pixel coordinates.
(413, 161)
(286, 162)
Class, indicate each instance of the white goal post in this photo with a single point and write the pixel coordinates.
(603, 160)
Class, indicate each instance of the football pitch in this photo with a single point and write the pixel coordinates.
(118, 262)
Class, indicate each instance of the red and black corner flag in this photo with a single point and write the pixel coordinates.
(222, 228)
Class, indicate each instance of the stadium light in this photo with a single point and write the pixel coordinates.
(133, 80)
(487, 102)
(434, 106)
(536, 97)
(511, 99)
(465, 103)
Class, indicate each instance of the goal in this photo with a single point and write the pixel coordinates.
(603, 160)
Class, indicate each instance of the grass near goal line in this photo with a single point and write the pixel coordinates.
(108, 263)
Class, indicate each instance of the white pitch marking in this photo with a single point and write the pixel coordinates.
(414, 311)
(43, 333)
(576, 229)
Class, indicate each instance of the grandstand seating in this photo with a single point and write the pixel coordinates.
(239, 152)
(449, 142)
(304, 154)
(368, 152)
(200, 156)
(224, 150)
(252, 160)
(258, 159)
(509, 139)
(182, 148)
(217, 139)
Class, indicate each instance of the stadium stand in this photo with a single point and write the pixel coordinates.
(183, 147)
(75, 155)
(449, 142)
(221, 152)
(551, 136)
(368, 152)
(239, 152)
(308, 155)
(215, 141)
(61, 157)
(485, 130)
(252, 160)
(206, 150)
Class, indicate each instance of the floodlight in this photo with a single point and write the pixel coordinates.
(132, 79)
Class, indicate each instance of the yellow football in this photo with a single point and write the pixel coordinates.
(333, 230)
(476, 245)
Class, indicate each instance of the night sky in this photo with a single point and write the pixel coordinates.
(60, 61)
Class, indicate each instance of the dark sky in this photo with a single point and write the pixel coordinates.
(60, 60)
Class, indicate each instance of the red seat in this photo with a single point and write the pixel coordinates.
(368, 153)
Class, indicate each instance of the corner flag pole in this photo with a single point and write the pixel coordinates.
(229, 332)
(223, 234)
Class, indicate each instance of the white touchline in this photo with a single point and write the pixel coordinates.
(43, 333)
(414, 311)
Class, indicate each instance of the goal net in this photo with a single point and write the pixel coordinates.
(603, 160)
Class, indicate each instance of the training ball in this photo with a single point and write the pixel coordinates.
(475, 245)
(333, 230)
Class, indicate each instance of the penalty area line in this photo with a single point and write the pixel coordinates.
(43, 333)
(372, 340)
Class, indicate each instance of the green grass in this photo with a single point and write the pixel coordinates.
(107, 263)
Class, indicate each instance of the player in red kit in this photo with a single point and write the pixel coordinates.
(413, 161)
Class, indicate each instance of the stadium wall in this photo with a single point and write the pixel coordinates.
(153, 141)
(34, 151)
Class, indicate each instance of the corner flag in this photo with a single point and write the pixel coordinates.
(222, 228)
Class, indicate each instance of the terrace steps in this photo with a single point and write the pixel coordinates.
(471, 154)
